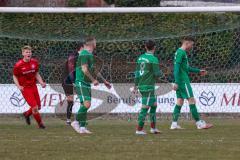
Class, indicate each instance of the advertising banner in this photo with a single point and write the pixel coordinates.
(210, 98)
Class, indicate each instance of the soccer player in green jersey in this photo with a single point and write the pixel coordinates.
(84, 78)
(182, 85)
(147, 71)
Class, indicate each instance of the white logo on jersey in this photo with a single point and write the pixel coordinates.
(30, 71)
(144, 59)
(33, 66)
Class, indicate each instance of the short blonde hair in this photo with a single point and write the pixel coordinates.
(89, 40)
(26, 48)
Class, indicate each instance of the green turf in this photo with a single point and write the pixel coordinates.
(115, 140)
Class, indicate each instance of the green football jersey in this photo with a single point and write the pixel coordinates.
(182, 59)
(84, 57)
(184, 69)
(147, 70)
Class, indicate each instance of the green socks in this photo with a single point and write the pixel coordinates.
(176, 113)
(82, 116)
(153, 116)
(193, 109)
(143, 114)
(142, 117)
(194, 112)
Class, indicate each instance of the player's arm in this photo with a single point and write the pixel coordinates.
(15, 80)
(136, 79)
(84, 59)
(40, 80)
(88, 74)
(71, 66)
(107, 84)
(197, 70)
(193, 70)
(97, 72)
(176, 75)
(176, 70)
(156, 69)
(16, 72)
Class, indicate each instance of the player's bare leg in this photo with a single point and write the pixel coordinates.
(176, 114)
(201, 124)
(69, 109)
(37, 117)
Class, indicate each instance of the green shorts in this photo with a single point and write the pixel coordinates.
(184, 91)
(148, 98)
(83, 91)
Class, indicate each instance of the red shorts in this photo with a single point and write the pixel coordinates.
(31, 96)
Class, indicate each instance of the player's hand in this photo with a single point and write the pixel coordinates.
(203, 72)
(43, 85)
(20, 88)
(95, 82)
(135, 90)
(175, 86)
(107, 84)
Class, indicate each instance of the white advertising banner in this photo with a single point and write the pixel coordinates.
(210, 98)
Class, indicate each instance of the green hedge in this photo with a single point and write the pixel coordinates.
(137, 3)
(117, 26)
(76, 3)
(120, 3)
(120, 40)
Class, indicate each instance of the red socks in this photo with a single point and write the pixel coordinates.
(153, 125)
(38, 118)
(28, 112)
(139, 128)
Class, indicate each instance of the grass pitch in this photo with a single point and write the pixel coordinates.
(116, 140)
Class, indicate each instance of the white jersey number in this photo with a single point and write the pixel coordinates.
(142, 67)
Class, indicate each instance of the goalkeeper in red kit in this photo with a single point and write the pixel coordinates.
(25, 76)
